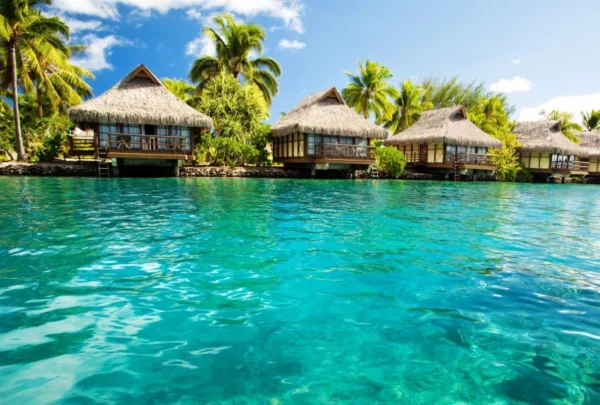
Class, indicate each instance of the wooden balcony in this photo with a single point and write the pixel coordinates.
(570, 166)
(471, 159)
(147, 146)
(343, 152)
(464, 160)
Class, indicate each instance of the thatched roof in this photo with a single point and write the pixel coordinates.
(445, 125)
(590, 141)
(140, 98)
(546, 137)
(326, 113)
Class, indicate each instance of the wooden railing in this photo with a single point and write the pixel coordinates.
(337, 151)
(470, 158)
(147, 143)
(572, 165)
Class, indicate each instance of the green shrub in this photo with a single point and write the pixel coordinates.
(46, 138)
(523, 175)
(391, 160)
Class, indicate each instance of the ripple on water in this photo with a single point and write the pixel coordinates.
(264, 291)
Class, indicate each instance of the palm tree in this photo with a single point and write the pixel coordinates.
(491, 115)
(450, 92)
(235, 43)
(567, 126)
(24, 32)
(408, 107)
(369, 92)
(183, 89)
(591, 120)
(62, 84)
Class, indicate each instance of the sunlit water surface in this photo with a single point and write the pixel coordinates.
(146, 291)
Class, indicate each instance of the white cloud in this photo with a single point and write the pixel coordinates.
(98, 49)
(572, 104)
(201, 46)
(194, 14)
(515, 85)
(516, 61)
(138, 15)
(287, 44)
(76, 26)
(289, 11)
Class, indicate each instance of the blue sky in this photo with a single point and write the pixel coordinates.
(543, 53)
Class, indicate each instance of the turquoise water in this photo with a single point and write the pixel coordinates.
(209, 291)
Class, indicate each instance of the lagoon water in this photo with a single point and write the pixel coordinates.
(224, 291)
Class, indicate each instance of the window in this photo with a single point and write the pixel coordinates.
(103, 133)
(450, 152)
(311, 144)
(135, 142)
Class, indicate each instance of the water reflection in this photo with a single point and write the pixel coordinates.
(272, 291)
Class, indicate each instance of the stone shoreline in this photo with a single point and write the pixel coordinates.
(60, 169)
(90, 169)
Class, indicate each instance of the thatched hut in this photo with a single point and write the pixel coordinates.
(547, 151)
(140, 119)
(590, 141)
(322, 132)
(444, 140)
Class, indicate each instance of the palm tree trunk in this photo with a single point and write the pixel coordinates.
(39, 107)
(21, 155)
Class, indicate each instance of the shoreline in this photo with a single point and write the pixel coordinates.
(90, 169)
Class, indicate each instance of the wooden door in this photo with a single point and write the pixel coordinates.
(423, 153)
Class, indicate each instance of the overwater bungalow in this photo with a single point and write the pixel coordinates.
(590, 141)
(444, 141)
(547, 152)
(323, 134)
(139, 126)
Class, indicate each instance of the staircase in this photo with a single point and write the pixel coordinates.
(374, 173)
(103, 163)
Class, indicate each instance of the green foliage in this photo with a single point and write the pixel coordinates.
(444, 92)
(523, 175)
(409, 107)
(591, 120)
(508, 164)
(237, 109)
(261, 140)
(567, 126)
(7, 135)
(235, 43)
(182, 89)
(369, 92)
(391, 160)
(46, 138)
(227, 151)
(35, 56)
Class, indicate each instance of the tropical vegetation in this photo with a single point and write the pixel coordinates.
(183, 89)
(238, 111)
(34, 59)
(236, 44)
(391, 161)
(591, 120)
(369, 91)
(409, 107)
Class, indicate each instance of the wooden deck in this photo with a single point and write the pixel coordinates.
(337, 154)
